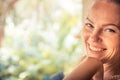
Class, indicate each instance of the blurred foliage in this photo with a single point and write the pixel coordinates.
(40, 39)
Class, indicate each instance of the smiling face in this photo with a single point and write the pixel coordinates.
(101, 31)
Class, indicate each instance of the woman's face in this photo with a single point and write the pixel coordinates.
(101, 31)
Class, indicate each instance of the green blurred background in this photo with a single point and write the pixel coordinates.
(39, 37)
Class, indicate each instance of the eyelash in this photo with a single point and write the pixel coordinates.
(89, 25)
(110, 30)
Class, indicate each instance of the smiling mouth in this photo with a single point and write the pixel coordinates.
(96, 49)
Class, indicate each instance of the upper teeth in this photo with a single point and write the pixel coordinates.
(95, 49)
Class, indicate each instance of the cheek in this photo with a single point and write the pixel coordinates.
(113, 48)
(112, 43)
(85, 36)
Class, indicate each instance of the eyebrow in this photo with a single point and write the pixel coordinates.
(110, 24)
(89, 20)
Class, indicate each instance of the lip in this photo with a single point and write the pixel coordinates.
(95, 49)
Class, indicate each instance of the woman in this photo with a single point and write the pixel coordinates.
(101, 35)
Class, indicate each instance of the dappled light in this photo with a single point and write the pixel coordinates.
(40, 38)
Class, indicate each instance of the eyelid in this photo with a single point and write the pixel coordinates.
(111, 30)
(89, 25)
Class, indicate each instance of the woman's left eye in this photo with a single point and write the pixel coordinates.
(110, 30)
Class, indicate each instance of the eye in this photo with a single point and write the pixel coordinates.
(110, 30)
(89, 25)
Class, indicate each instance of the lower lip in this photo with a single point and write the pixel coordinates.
(90, 51)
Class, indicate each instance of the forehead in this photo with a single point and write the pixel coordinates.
(105, 12)
(104, 4)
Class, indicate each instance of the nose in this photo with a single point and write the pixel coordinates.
(95, 36)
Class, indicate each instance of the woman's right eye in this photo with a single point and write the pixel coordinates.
(89, 25)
